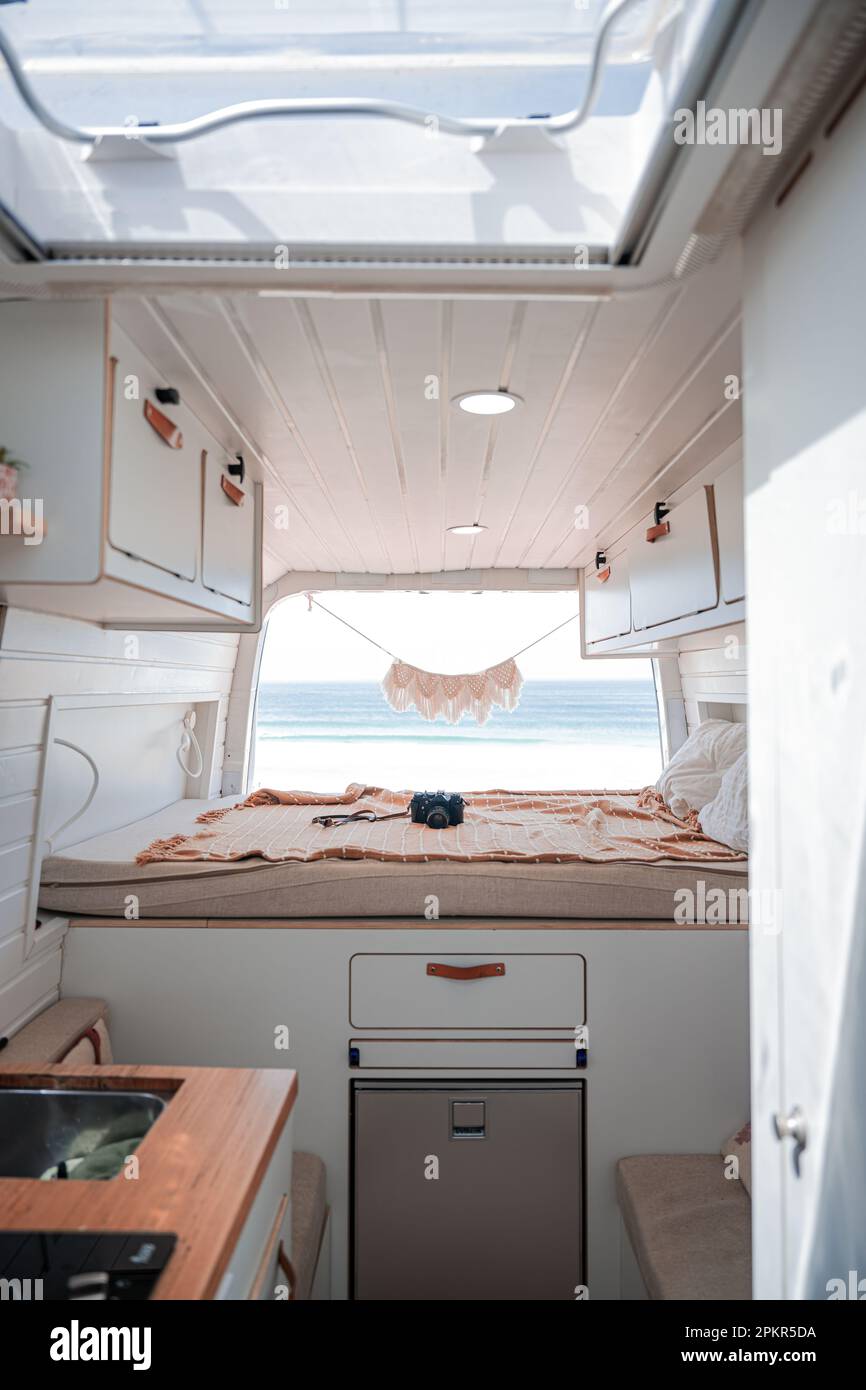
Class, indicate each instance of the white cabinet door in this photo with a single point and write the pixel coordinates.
(608, 602)
(674, 576)
(728, 492)
(229, 533)
(52, 383)
(155, 490)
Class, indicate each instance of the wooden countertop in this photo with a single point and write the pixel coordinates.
(200, 1164)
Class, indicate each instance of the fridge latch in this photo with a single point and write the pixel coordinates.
(468, 1119)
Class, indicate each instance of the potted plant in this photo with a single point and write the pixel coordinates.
(9, 470)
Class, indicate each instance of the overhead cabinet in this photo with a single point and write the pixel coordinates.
(155, 482)
(728, 493)
(229, 533)
(678, 570)
(674, 574)
(608, 598)
(143, 517)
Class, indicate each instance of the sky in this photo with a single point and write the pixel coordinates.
(442, 632)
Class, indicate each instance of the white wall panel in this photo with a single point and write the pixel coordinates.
(713, 670)
(134, 745)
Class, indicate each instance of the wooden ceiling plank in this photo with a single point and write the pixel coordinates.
(481, 328)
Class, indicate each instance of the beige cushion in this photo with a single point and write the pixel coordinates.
(84, 1050)
(328, 888)
(689, 1225)
(308, 1218)
(50, 1036)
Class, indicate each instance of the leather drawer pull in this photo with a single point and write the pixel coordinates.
(233, 493)
(165, 428)
(466, 972)
(655, 533)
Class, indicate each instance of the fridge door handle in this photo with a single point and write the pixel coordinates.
(466, 972)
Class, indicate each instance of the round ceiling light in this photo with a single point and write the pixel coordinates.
(473, 528)
(487, 402)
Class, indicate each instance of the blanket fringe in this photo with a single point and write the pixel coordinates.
(268, 796)
(160, 849)
(217, 813)
(651, 799)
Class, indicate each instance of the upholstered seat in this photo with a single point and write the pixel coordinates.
(308, 1218)
(61, 1033)
(689, 1225)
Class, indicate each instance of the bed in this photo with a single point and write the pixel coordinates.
(99, 877)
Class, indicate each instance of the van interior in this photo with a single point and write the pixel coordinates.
(432, 444)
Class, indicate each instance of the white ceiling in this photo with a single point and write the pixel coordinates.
(332, 401)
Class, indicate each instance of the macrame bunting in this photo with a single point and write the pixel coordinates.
(406, 687)
(434, 695)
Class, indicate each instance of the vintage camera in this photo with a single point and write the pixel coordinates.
(437, 809)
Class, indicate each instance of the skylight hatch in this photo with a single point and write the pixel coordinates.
(519, 123)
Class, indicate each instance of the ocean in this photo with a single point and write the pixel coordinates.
(566, 734)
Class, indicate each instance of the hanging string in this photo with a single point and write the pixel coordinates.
(544, 636)
(374, 643)
(371, 640)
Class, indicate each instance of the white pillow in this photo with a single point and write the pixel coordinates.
(694, 774)
(726, 818)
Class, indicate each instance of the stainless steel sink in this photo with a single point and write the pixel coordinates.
(40, 1129)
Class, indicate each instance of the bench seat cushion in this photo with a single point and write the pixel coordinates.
(308, 1218)
(689, 1225)
(57, 1035)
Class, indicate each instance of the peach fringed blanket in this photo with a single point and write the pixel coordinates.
(528, 827)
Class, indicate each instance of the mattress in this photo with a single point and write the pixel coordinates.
(97, 877)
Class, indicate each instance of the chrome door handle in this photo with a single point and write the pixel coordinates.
(791, 1126)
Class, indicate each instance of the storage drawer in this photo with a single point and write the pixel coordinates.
(272, 1281)
(467, 991)
(253, 1270)
(471, 1054)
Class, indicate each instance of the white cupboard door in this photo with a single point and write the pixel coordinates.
(155, 490)
(675, 575)
(608, 600)
(728, 492)
(52, 414)
(229, 532)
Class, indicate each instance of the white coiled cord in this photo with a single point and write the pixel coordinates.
(188, 740)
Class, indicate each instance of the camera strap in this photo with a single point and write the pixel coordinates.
(328, 821)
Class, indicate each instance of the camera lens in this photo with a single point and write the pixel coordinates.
(437, 819)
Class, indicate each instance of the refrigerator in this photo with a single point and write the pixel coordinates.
(468, 1190)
